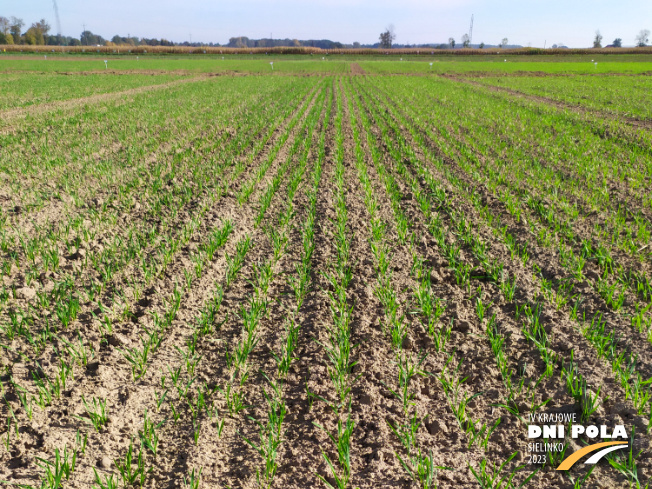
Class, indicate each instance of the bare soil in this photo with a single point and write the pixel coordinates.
(356, 69)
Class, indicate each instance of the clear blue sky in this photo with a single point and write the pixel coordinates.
(525, 22)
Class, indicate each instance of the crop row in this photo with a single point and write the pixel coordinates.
(139, 356)
(479, 249)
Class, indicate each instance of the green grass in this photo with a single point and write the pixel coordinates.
(65, 63)
(333, 64)
(22, 90)
(497, 64)
(624, 95)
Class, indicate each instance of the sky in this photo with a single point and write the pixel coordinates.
(526, 22)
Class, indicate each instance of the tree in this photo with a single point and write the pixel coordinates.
(37, 33)
(34, 36)
(466, 40)
(89, 39)
(618, 43)
(15, 27)
(58, 40)
(481, 45)
(4, 25)
(642, 38)
(43, 26)
(451, 42)
(238, 42)
(387, 37)
(504, 42)
(597, 41)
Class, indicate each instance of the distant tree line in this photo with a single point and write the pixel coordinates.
(11, 32)
(245, 42)
(642, 38)
(38, 33)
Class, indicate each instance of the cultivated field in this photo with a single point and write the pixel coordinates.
(220, 278)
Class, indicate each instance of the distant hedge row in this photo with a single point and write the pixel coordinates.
(16, 48)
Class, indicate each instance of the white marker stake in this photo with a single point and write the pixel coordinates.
(46, 56)
(106, 64)
(272, 63)
(431, 66)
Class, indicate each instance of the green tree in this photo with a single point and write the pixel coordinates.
(387, 37)
(89, 39)
(466, 40)
(238, 42)
(451, 42)
(34, 36)
(597, 41)
(15, 28)
(618, 43)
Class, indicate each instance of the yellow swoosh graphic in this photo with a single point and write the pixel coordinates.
(570, 461)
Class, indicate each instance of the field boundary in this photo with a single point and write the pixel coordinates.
(423, 51)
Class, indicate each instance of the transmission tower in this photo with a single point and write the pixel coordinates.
(56, 15)
(471, 30)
